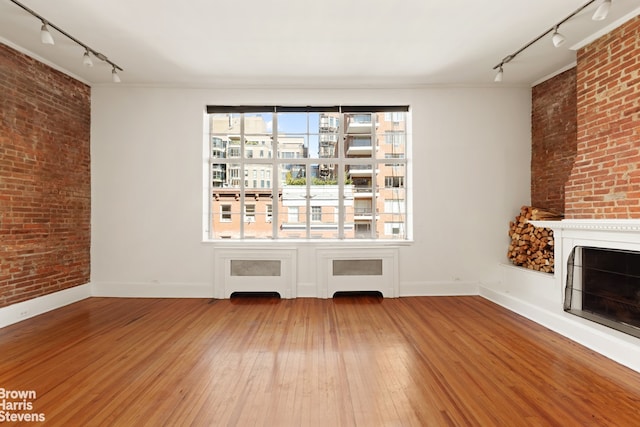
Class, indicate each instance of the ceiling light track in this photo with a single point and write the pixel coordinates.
(46, 38)
(557, 38)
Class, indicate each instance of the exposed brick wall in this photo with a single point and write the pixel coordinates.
(553, 139)
(605, 181)
(45, 188)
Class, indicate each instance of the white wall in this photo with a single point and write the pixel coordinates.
(471, 157)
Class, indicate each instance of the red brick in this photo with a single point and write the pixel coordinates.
(608, 126)
(44, 179)
(554, 139)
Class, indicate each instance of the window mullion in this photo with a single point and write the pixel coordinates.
(243, 168)
(341, 177)
(307, 169)
(210, 185)
(307, 199)
(374, 178)
(275, 178)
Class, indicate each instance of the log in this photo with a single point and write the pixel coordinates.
(532, 247)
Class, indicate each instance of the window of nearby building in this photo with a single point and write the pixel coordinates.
(316, 213)
(393, 228)
(225, 213)
(394, 181)
(395, 138)
(301, 162)
(394, 116)
(394, 206)
(293, 214)
(249, 212)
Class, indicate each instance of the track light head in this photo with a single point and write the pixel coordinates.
(602, 11)
(45, 35)
(114, 75)
(46, 38)
(86, 59)
(557, 38)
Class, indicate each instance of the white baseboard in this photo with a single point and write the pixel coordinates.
(152, 290)
(425, 289)
(26, 309)
(303, 290)
(529, 284)
(615, 345)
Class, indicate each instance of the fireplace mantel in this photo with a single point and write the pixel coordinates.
(623, 225)
(606, 233)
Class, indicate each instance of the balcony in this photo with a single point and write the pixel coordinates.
(362, 192)
(359, 124)
(363, 214)
(356, 171)
(329, 124)
(327, 139)
(359, 146)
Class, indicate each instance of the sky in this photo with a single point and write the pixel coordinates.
(306, 124)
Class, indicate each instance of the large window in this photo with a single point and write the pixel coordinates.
(313, 172)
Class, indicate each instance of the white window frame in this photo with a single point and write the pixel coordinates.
(342, 162)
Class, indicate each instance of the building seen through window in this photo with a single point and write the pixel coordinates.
(308, 173)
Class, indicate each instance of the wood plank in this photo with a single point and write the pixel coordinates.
(344, 361)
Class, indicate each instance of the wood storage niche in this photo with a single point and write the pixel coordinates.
(532, 247)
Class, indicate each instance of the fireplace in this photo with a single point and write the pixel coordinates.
(603, 285)
(543, 297)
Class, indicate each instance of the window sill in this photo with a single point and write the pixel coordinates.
(359, 243)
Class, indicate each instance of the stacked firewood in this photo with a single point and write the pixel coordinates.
(532, 247)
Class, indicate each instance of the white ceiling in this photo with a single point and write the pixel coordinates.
(301, 43)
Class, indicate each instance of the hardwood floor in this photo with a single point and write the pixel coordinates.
(420, 361)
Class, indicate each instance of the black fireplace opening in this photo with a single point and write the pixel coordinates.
(603, 285)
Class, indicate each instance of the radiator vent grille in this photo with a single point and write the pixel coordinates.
(357, 267)
(255, 268)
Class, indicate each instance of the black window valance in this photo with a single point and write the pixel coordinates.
(222, 109)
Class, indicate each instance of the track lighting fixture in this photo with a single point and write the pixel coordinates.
(45, 35)
(602, 11)
(86, 59)
(557, 38)
(46, 38)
